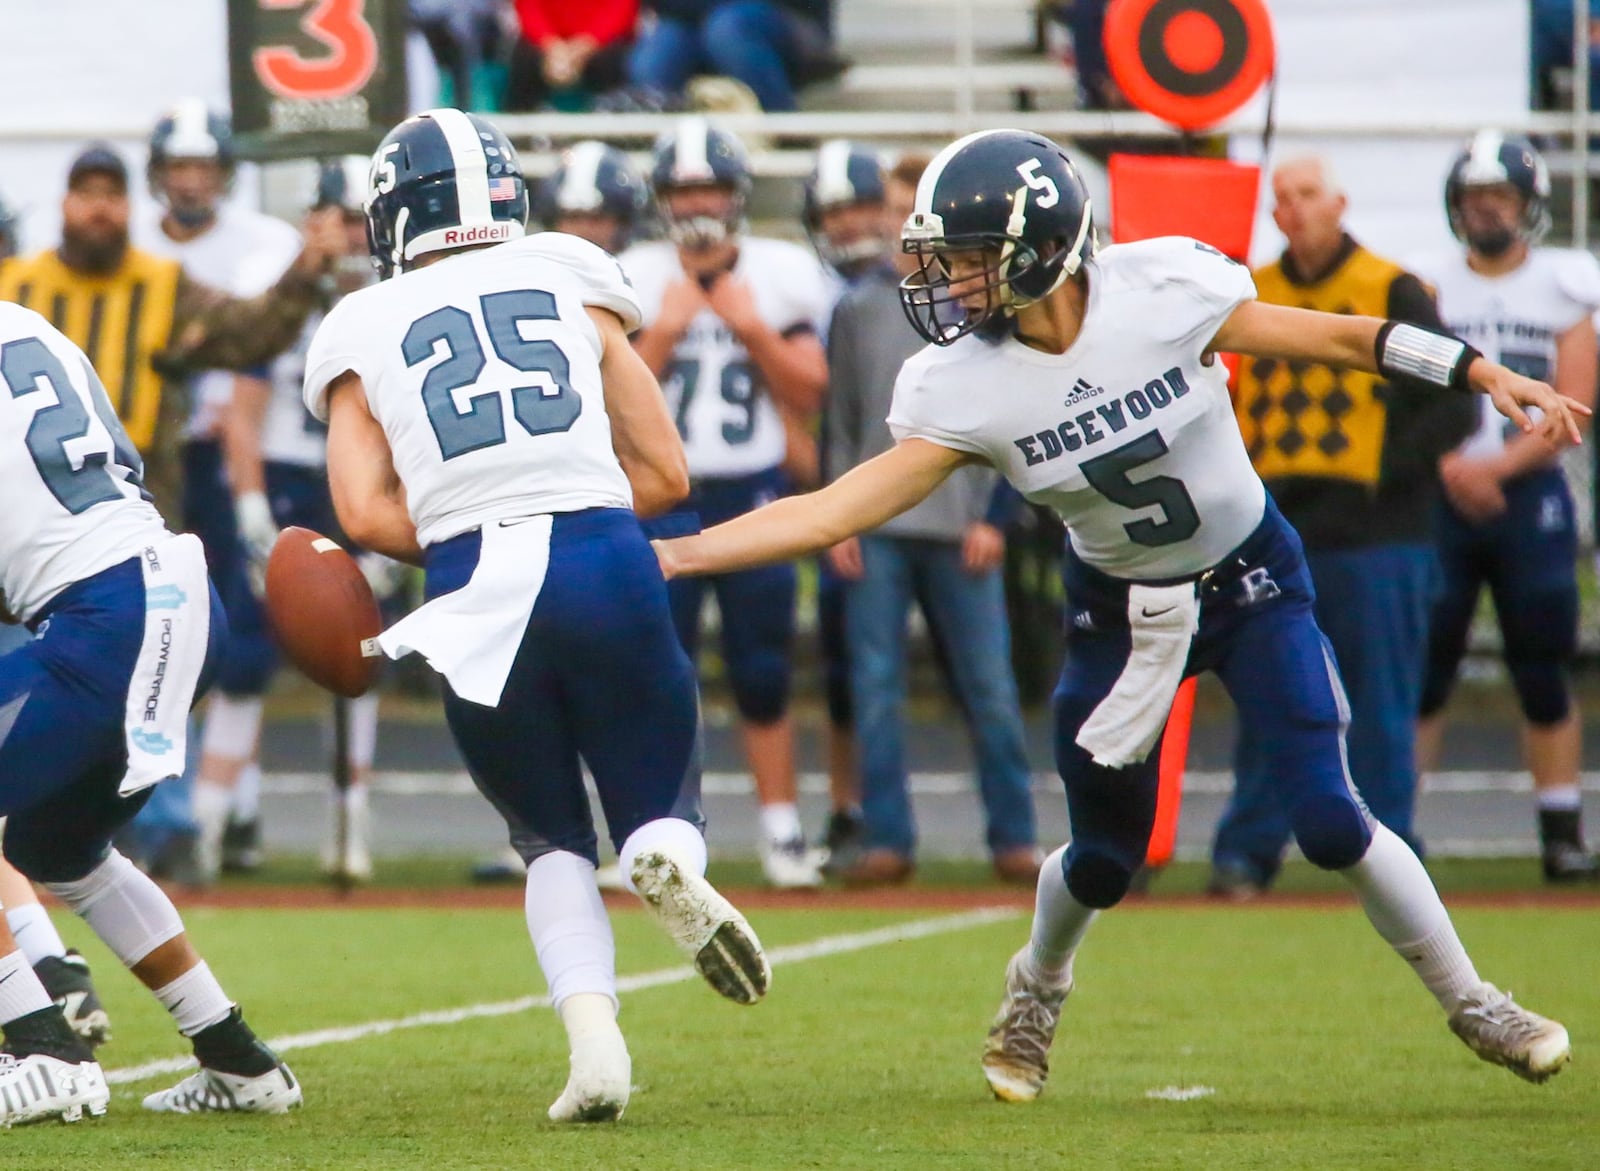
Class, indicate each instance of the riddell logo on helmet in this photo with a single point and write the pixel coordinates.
(478, 235)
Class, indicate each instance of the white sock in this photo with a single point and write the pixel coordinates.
(195, 1000)
(588, 1014)
(670, 835)
(20, 990)
(781, 822)
(1560, 798)
(363, 744)
(570, 930)
(247, 793)
(35, 934)
(1400, 900)
(1059, 922)
(210, 803)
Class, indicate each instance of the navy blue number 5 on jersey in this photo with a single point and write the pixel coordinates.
(79, 479)
(540, 409)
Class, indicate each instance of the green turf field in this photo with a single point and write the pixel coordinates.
(1319, 1049)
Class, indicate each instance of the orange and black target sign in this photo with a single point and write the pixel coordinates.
(1189, 62)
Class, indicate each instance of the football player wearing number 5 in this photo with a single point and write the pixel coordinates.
(488, 420)
(1090, 381)
(731, 330)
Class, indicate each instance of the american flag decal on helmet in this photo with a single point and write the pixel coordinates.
(502, 189)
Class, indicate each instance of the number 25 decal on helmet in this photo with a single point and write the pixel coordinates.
(1001, 220)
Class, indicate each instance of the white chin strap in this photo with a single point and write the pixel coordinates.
(701, 231)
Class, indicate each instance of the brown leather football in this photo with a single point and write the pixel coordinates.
(323, 612)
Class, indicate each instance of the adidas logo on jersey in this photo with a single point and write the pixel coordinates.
(1080, 391)
(1105, 420)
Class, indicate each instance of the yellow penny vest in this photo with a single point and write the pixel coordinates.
(119, 320)
(1301, 419)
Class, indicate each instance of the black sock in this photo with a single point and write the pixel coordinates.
(229, 1046)
(45, 1031)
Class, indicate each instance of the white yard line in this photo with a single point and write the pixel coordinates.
(828, 945)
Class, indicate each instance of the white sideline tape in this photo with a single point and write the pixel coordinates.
(828, 945)
(1212, 783)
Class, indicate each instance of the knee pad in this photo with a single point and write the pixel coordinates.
(123, 906)
(1097, 878)
(1541, 690)
(1333, 830)
(761, 687)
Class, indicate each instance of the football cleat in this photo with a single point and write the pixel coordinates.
(600, 1082)
(1502, 1032)
(66, 981)
(703, 923)
(39, 1086)
(1016, 1057)
(792, 865)
(210, 1091)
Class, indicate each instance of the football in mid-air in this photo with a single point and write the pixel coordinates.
(323, 612)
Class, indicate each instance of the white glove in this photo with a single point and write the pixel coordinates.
(257, 534)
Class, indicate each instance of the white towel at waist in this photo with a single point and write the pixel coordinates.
(1125, 725)
(471, 636)
(177, 631)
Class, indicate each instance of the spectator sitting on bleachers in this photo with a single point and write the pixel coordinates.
(464, 37)
(1550, 39)
(569, 53)
(770, 45)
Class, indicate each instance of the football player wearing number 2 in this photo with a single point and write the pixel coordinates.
(93, 715)
(487, 419)
(1090, 381)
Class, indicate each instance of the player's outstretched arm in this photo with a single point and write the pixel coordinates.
(642, 431)
(367, 493)
(1394, 348)
(860, 500)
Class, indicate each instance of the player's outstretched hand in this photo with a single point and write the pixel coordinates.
(669, 563)
(1511, 393)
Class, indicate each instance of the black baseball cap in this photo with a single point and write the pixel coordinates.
(98, 158)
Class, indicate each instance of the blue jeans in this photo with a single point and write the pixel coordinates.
(969, 612)
(1373, 606)
(753, 41)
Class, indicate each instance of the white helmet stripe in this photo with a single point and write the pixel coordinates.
(833, 174)
(1483, 159)
(191, 133)
(580, 181)
(691, 148)
(472, 165)
(930, 177)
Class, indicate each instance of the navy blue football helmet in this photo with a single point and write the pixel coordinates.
(1490, 159)
(341, 182)
(595, 179)
(1012, 194)
(845, 174)
(440, 180)
(694, 153)
(189, 132)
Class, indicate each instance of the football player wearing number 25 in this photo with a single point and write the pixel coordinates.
(487, 419)
(1090, 381)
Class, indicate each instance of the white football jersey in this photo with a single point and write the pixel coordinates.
(1129, 436)
(71, 503)
(289, 433)
(729, 425)
(1513, 319)
(242, 253)
(484, 371)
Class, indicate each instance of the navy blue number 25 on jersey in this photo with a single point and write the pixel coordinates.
(539, 409)
(23, 364)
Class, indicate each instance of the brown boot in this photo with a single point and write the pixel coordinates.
(1018, 865)
(879, 867)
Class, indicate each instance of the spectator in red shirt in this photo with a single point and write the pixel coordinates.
(565, 46)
